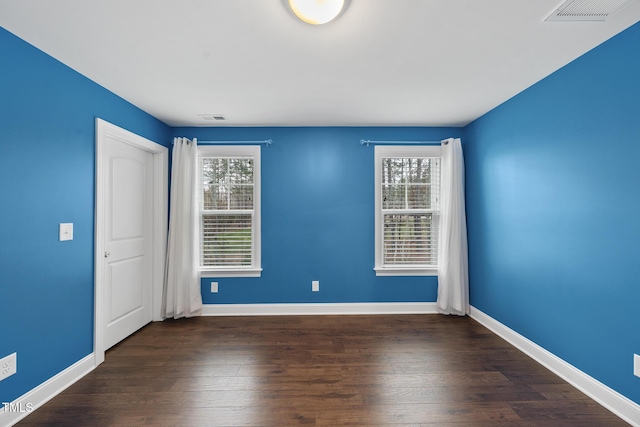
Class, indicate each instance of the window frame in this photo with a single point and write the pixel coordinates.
(398, 151)
(232, 151)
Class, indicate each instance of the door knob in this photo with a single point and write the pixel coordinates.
(106, 254)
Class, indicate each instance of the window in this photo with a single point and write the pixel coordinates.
(229, 202)
(407, 210)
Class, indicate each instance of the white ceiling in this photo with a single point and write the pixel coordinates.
(382, 62)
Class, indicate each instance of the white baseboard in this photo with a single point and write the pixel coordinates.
(620, 405)
(319, 309)
(40, 395)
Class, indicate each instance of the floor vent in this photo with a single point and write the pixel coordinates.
(587, 10)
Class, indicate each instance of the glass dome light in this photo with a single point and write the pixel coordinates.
(316, 12)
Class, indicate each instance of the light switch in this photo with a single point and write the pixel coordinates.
(66, 231)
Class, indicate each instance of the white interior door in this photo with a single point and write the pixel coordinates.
(131, 233)
(128, 240)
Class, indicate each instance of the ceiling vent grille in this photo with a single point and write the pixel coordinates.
(212, 117)
(587, 10)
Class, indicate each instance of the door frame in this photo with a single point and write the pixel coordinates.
(160, 153)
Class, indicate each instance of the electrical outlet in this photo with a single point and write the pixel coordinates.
(8, 366)
(66, 231)
(214, 287)
(636, 365)
(315, 286)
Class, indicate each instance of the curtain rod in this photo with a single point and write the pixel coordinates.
(368, 142)
(266, 142)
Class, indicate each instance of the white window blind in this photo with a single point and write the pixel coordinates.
(408, 208)
(229, 217)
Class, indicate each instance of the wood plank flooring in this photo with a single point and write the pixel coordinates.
(385, 370)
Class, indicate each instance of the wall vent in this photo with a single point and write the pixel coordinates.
(212, 117)
(587, 10)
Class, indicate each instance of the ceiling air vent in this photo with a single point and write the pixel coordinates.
(212, 117)
(587, 10)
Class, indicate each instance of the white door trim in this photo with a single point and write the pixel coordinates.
(160, 212)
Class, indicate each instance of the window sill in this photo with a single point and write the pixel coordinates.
(226, 272)
(405, 271)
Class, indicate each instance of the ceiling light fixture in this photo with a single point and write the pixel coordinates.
(316, 12)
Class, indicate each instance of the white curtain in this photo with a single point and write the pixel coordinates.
(181, 296)
(453, 275)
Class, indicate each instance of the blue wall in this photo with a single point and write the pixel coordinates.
(318, 217)
(47, 114)
(552, 212)
(553, 199)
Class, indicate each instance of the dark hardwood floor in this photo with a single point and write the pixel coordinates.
(386, 370)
